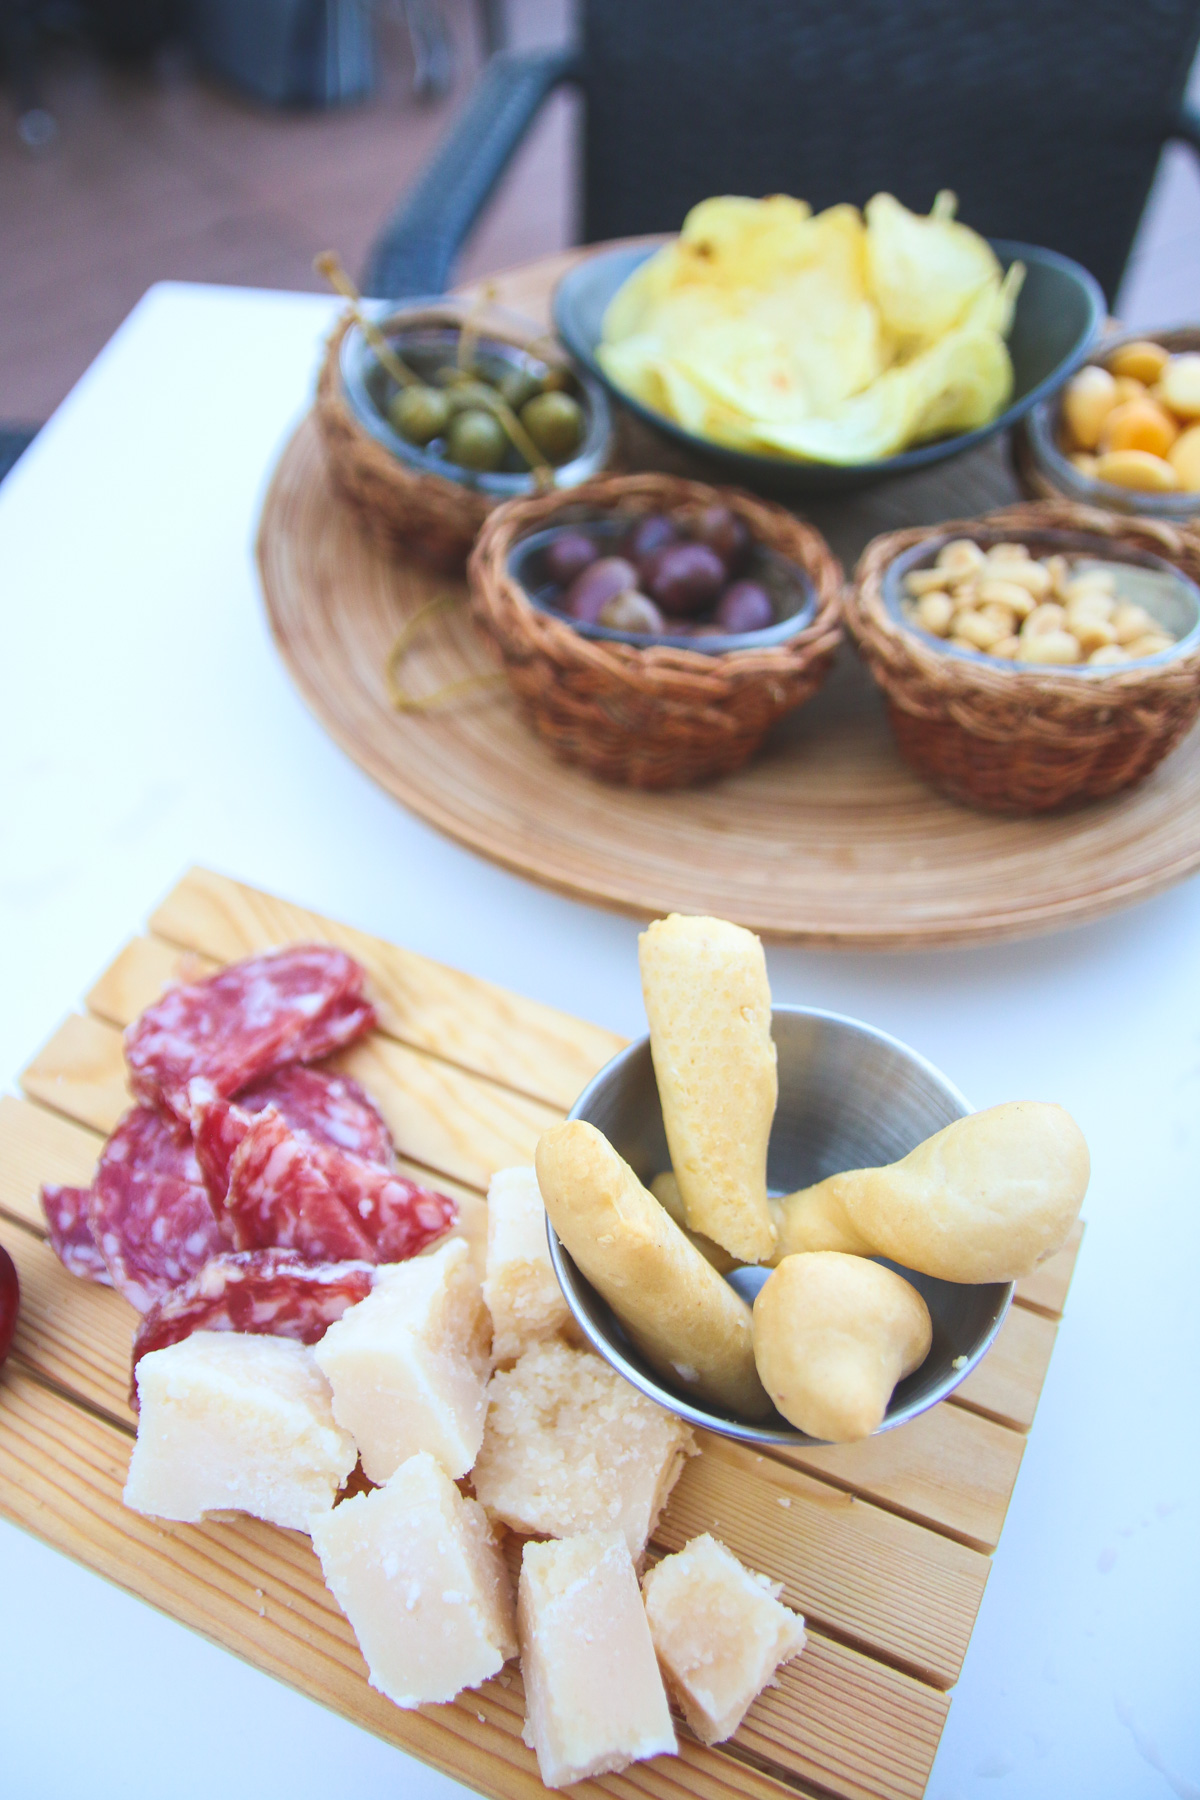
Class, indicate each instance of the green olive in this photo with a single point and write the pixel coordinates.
(419, 413)
(555, 423)
(518, 386)
(557, 380)
(476, 440)
(467, 395)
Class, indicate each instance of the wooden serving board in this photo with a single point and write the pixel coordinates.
(883, 1545)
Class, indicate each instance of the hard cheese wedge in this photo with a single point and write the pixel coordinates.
(521, 1289)
(235, 1423)
(594, 1699)
(415, 1569)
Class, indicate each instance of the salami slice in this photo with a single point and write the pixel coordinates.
(208, 1039)
(148, 1209)
(268, 1293)
(334, 1109)
(287, 1189)
(66, 1210)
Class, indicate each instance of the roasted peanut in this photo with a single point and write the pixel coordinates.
(1152, 644)
(1107, 654)
(934, 613)
(1130, 622)
(1049, 647)
(959, 557)
(974, 628)
(1017, 596)
(924, 581)
(1048, 617)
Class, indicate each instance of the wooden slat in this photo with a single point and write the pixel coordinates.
(1046, 1288)
(37, 1146)
(515, 1041)
(880, 1582)
(1008, 1382)
(454, 1123)
(137, 976)
(885, 1586)
(838, 1721)
(948, 1467)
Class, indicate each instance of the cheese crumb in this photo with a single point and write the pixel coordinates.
(594, 1699)
(520, 1288)
(408, 1365)
(570, 1447)
(393, 1558)
(720, 1634)
(229, 1422)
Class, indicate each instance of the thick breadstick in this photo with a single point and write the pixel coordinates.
(985, 1199)
(665, 1189)
(709, 1007)
(685, 1320)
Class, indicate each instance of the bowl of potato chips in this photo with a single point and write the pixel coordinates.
(801, 352)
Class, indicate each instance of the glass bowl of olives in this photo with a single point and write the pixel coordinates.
(693, 579)
(487, 404)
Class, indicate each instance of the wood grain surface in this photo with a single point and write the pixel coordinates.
(881, 1544)
(826, 838)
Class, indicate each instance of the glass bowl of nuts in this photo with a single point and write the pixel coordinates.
(1124, 432)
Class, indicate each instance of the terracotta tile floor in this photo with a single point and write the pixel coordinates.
(160, 173)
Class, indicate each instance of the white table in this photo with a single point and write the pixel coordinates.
(146, 723)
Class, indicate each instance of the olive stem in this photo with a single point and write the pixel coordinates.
(330, 266)
(497, 405)
(412, 703)
(468, 331)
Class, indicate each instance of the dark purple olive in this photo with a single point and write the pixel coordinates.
(632, 611)
(684, 578)
(568, 556)
(746, 606)
(599, 583)
(649, 535)
(10, 1301)
(723, 532)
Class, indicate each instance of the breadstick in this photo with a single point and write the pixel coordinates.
(709, 1007)
(986, 1199)
(686, 1321)
(665, 1189)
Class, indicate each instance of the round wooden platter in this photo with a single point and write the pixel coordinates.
(825, 839)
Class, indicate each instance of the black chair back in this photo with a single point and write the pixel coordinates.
(1046, 117)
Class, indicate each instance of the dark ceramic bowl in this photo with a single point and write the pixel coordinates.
(792, 592)
(850, 1097)
(1059, 313)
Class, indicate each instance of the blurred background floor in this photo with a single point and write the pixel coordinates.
(158, 172)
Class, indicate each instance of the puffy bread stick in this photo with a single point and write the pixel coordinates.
(665, 1189)
(685, 1320)
(833, 1334)
(709, 1006)
(985, 1199)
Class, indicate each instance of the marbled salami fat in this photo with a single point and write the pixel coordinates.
(209, 1039)
(333, 1109)
(66, 1210)
(148, 1209)
(267, 1293)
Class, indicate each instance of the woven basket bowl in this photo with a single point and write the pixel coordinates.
(1010, 738)
(651, 717)
(1045, 473)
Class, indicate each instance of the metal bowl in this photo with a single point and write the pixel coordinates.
(1042, 435)
(1169, 596)
(426, 332)
(850, 1097)
(1058, 316)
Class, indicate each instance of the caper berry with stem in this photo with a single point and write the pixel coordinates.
(419, 414)
(555, 423)
(476, 440)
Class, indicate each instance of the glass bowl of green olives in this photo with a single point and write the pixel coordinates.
(485, 401)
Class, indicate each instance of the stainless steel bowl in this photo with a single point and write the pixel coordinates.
(850, 1097)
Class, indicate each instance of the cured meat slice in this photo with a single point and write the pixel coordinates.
(398, 1215)
(66, 1210)
(287, 1189)
(268, 1293)
(334, 1109)
(148, 1209)
(207, 1039)
(278, 1198)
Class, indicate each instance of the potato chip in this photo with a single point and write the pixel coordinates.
(828, 338)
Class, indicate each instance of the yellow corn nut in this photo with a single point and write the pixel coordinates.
(1179, 385)
(1089, 398)
(1140, 359)
(1136, 469)
(1139, 425)
(1184, 458)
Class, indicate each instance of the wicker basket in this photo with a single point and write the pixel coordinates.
(655, 717)
(1044, 473)
(1019, 739)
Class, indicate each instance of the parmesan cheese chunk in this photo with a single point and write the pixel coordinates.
(720, 1634)
(570, 1446)
(414, 1567)
(409, 1365)
(594, 1699)
(521, 1289)
(236, 1423)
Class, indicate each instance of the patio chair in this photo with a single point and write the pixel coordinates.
(1046, 117)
